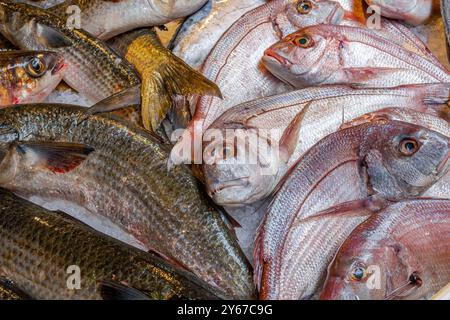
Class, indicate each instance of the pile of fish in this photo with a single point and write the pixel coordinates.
(329, 119)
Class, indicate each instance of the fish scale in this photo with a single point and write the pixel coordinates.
(37, 246)
(129, 166)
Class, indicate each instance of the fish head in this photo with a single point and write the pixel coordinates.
(402, 160)
(241, 168)
(412, 11)
(304, 13)
(32, 75)
(303, 58)
(365, 268)
(29, 27)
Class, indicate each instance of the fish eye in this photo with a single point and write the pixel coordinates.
(358, 273)
(408, 146)
(36, 67)
(304, 7)
(304, 41)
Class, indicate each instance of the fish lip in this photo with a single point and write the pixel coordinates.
(226, 185)
(59, 66)
(270, 54)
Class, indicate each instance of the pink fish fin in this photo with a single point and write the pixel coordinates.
(414, 281)
(258, 255)
(433, 94)
(358, 76)
(58, 157)
(360, 207)
(290, 138)
(379, 115)
(114, 290)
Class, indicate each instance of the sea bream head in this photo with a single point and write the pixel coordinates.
(401, 160)
(242, 167)
(414, 12)
(303, 13)
(304, 58)
(29, 76)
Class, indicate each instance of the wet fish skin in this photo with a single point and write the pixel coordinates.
(10, 292)
(353, 56)
(235, 62)
(64, 242)
(445, 10)
(414, 12)
(106, 19)
(29, 76)
(391, 241)
(129, 165)
(93, 69)
(201, 31)
(164, 76)
(328, 107)
(367, 166)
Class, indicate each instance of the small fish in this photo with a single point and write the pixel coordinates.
(235, 62)
(164, 76)
(325, 54)
(414, 12)
(29, 76)
(118, 173)
(363, 167)
(93, 69)
(106, 19)
(232, 181)
(401, 253)
(201, 31)
(40, 250)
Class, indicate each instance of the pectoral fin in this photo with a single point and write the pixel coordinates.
(55, 156)
(51, 38)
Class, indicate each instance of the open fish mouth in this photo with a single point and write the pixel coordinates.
(218, 188)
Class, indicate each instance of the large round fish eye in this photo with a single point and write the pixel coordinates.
(303, 41)
(408, 147)
(304, 7)
(358, 273)
(36, 67)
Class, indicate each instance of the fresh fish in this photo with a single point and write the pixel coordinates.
(443, 294)
(363, 167)
(93, 69)
(163, 77)
(119, 172)
(235, 62)
(400, 253)
(445, 9)
(109, 269)
(29, 76)
(414, 12)
(106, 19)
(201, 31)
(231, 180)
(325, 54)
(10, 291)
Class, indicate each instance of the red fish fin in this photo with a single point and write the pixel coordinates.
(290, 138)
(59, 157)
(360, 207)
(414, 281)
(113, 290)
(356, 76)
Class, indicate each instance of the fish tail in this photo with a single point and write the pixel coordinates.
(160, 86)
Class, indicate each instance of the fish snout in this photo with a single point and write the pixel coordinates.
(271, 54)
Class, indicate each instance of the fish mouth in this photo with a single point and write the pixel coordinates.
(238, 182)
(59, 66)
(270, 54)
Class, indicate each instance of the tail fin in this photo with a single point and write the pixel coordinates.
(161, 85)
